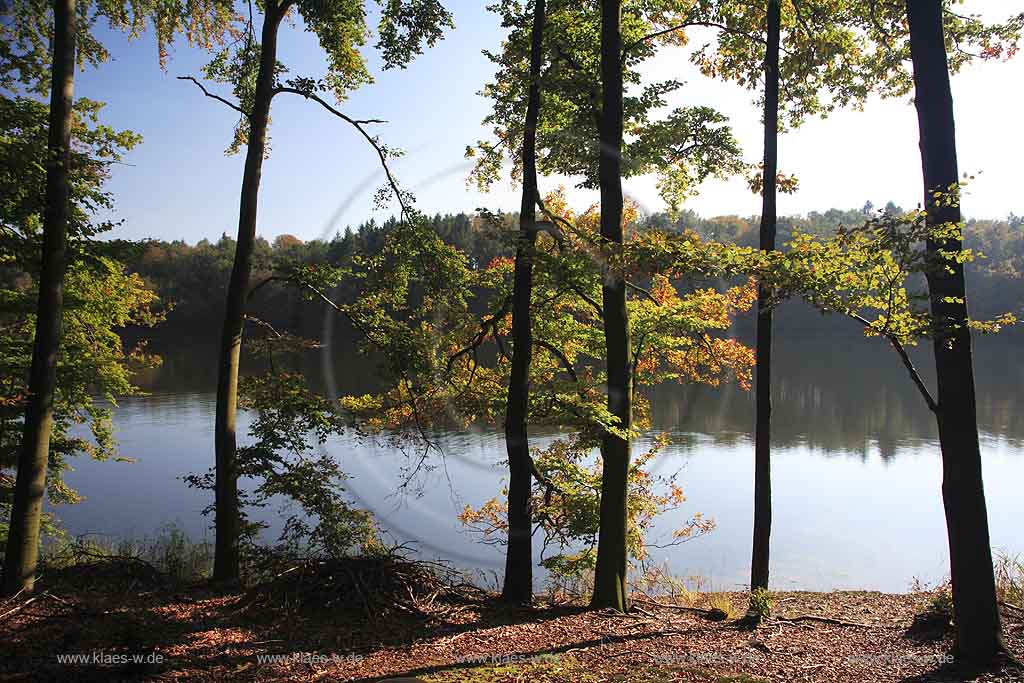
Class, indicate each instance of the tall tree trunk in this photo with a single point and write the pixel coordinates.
(610, 577)
(225, 566)
(763, 426)
(518, 585)
(979, 635)
(22, 552)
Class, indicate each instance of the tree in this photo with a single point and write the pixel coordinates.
(435, 334)
(882, 275)
(26, 63)
(979, 635)
(837, 53)
(22, 554)
(673, 338)
(88, 361)
(684, 147)
(253, 71)
(518, 583)
(763, 377)
(610, 573)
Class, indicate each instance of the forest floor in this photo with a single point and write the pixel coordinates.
(129, 625)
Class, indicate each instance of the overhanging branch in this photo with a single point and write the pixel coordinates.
(907, 363)
(214, 96)
(358, 125)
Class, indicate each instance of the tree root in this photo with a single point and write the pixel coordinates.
(713, 614)
(825, 620)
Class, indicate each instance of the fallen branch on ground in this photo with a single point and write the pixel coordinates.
(374, 585)
(826, 620)
(714, 614)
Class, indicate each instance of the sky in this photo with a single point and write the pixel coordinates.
(321, 175)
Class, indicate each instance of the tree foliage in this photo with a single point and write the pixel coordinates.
(26, 29)
(447, 363)
(94, 366)
(683, 147)
(838, 52)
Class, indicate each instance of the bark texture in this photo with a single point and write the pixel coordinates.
(763, 377)
(228, 519)
(610, 576)
(22, 552)
(518, 584)
(978, 631)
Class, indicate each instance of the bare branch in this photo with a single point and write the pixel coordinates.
(214, 96)
(645, 292)
(907, 363)
(264, 324)
(358, 124)
(263, 283)
(686, 24)
(914, 375)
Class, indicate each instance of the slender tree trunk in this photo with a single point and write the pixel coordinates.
(763, 426)
(610, 577)
(518, 586)
(979, 635)
(225, 566)
(22, 552)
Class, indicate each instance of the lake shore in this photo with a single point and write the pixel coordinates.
(125, 622)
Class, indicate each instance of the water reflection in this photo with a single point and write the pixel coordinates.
(856, 473)
(851, 395)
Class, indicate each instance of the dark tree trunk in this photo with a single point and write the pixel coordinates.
(610, 577)
(225, 566)
(22, 552)
(979, 635)
(763, 377)
(518, 585)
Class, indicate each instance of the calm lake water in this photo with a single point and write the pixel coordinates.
(856, 468)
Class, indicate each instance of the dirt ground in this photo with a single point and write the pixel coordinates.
(90, 628)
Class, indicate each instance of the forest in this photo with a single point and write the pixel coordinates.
(558, 330)
(184, 275)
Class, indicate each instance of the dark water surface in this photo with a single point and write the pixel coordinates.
(856, 469)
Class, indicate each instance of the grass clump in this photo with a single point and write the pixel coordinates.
(1010, 579)
(722, 607)
(936, 620)
(171, 556)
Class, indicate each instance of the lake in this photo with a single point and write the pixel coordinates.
(856, 468)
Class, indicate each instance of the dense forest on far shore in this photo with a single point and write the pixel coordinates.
(191, 279)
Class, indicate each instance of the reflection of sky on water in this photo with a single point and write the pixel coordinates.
(865, 518)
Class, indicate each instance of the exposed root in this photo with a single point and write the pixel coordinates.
(713, 614)
(825, 620)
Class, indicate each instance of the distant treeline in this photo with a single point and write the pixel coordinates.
(192, 278)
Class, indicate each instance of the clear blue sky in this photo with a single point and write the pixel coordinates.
(179, 185)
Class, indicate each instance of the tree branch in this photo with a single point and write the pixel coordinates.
(907, 363)
(488, 324)
(914, 375)
(358, 125)
(686, 24)
(560, 356)
(264, 324)
(214, 96)
(637, 288)
(263, 283)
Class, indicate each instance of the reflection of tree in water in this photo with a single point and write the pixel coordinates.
(845, 394)
(837, 393)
